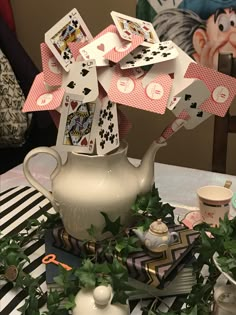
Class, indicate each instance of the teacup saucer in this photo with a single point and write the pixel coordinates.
(192, 219)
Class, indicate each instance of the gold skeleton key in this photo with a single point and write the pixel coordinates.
(51, 259)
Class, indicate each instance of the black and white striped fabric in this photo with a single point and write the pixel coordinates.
(17, 205)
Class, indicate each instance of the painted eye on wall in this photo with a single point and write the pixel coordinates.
(233, 20)
(223, 23)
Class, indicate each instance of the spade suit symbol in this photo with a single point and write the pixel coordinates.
(84, 72)
(86, 91)
(71, 85)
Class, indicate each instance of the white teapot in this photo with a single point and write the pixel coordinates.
(86, 185)
(98, 302)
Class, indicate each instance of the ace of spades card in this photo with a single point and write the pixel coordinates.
(82, 80)
(71, 28)
(78, 124)
(107, 138)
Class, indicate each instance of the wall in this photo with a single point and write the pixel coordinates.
(192, 148)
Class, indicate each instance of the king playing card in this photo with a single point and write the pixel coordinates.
(71, 28)
(128, 26)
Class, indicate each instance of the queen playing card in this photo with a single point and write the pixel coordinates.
(78, 124)
(71, 28)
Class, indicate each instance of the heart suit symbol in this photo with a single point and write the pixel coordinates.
(101, 47)
(73, 104)
(84, 141)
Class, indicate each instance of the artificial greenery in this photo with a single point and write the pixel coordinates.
(96, 270)
(149, 207)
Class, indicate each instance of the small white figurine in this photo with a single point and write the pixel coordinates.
(98, 302)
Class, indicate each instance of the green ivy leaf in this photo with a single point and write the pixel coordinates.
(120, 297)
(126, 246)
(111, 226)
(86, 274)
(148, 208)
(92, 231)
(70, 303)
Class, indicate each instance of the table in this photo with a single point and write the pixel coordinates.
(176, 185)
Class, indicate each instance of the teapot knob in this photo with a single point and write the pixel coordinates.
(102, 295)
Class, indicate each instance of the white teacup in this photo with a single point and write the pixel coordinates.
(214, 203)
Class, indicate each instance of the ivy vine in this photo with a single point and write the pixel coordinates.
(94, 272)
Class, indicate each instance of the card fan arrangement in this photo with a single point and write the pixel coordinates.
(85, 77)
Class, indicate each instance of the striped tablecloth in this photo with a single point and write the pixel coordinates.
(17, 205)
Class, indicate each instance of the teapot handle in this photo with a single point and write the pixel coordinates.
(30, 177)
(174, 236)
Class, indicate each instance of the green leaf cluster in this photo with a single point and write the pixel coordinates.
(93, 272)
(149, 207)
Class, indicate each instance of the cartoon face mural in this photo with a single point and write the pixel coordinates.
(203, 29)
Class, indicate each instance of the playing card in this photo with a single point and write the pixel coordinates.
(75, 47)
(196, 92)
(170, 130)
(127, 90)
(124, 124)
(105, 75)
(190, 101)
(118, 53)
(128, 26)
(82, 80)
(71, 28)
(221, 86)
(78, 124)
(176, 68)
(100, 46)
(52, 70)
(40, 99)
(107, 138)
(157, 53)
(138, 72)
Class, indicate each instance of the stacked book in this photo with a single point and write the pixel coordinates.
(169, 274)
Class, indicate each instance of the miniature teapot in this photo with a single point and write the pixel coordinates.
(157, 238)
(98, 302)
(86, 185)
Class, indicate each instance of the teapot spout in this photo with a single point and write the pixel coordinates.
(139, 233)
(146, 167)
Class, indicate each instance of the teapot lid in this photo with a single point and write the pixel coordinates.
(158, 227)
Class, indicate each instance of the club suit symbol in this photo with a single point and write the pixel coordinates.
(187, 97)
(193, 105)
